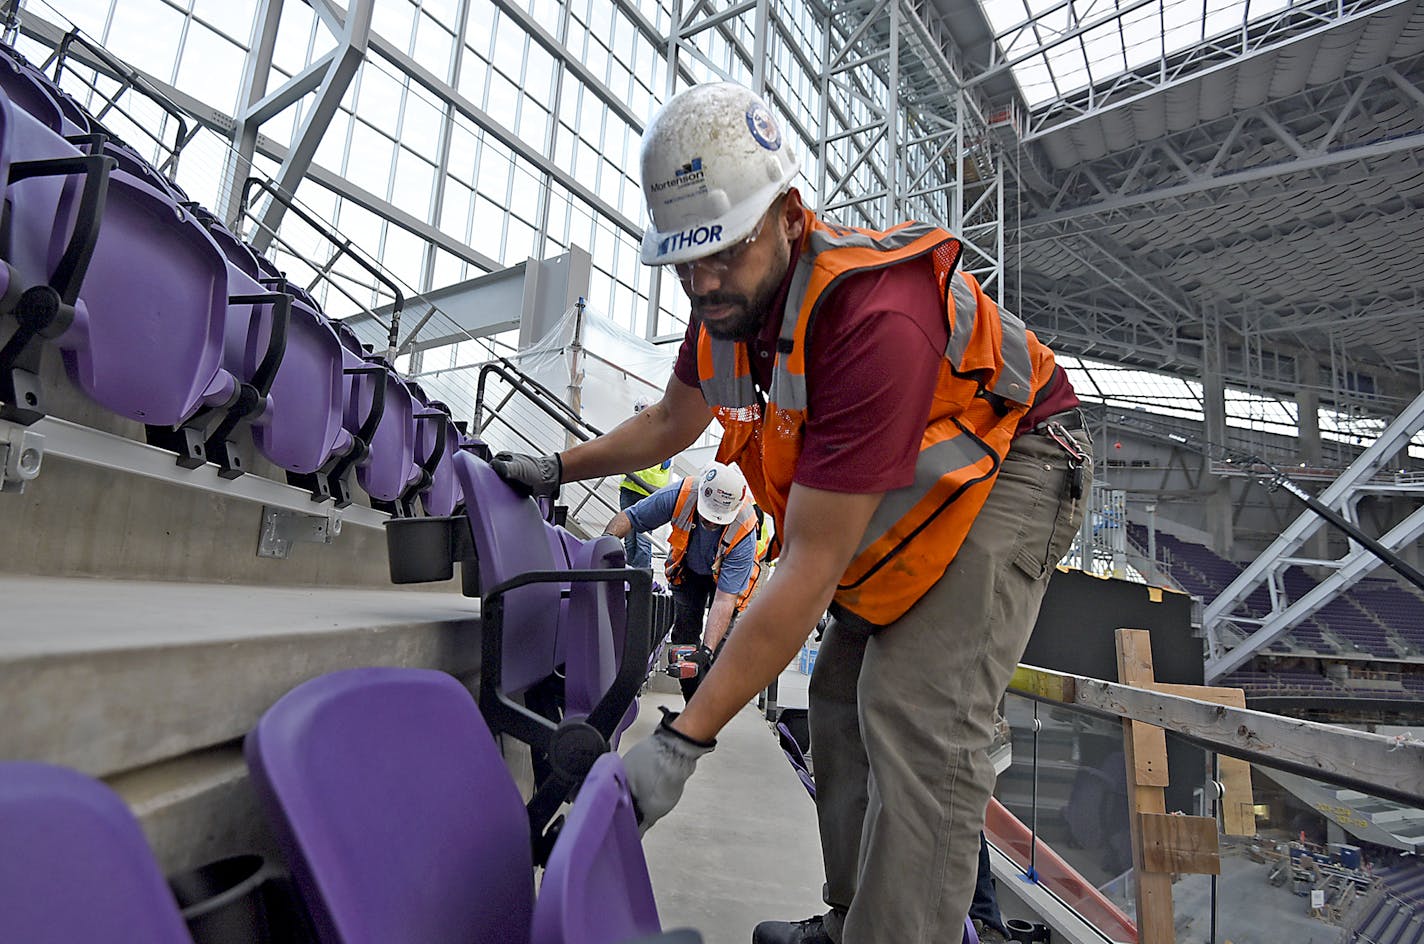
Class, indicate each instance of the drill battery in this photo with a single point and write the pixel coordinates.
(679, 664)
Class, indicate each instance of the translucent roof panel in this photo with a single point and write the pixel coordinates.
(1130, 388)
(1058, 47)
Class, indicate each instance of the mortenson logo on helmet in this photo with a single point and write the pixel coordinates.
(689, 173)
(697, 236)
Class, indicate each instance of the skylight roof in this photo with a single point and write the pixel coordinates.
(1058, 47)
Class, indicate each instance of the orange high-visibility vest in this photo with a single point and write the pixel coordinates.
(684, 519)
(993, 366)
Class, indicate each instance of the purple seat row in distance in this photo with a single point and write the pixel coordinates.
(217, 373)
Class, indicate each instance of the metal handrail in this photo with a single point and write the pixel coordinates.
(343, 247)
(543, 398)
(552, 406)
(129, 79)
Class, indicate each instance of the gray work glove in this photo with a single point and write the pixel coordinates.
(658, 768)
(538, 476)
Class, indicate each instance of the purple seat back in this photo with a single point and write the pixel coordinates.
(135, 165)
(25, 91)
(594, 627)
(596, 888)
(792, 750)
(75, 865)
(303, 427)
(565, 549)
(443, 493)
(394, 807)
(510, 540)
(150, 347)
(42, 209)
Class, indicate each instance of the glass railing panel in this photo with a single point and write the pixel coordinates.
(1065, 787)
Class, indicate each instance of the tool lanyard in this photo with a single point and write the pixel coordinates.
(1076, 457)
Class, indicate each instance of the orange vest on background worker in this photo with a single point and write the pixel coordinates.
(993, 366)
(684, 519)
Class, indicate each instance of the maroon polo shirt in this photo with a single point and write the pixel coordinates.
(876, 346)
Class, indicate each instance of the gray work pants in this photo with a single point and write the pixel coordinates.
(901, 718)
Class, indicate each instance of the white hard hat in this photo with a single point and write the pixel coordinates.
(713, 161)
(721, 492)
(641, 404)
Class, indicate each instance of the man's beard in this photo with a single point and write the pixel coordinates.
(747, 323)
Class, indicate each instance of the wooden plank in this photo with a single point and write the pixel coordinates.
(1149, 742)
(1154, 889)
(1043, 683)
(1180, 844)
(1238, 802)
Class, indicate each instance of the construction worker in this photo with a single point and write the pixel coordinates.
(711, 555)
(925, 464)
(638, 545)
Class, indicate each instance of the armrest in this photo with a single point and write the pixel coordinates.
(525, 724)
(378, 402)
(279, 318)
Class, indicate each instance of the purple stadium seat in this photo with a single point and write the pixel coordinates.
(604, 664)
(398, 817)
(303, 432)
(435, 441)
(594, 626)
(596, 888)
(26, 90)
(388, 468)
(793, 753)
(54, 203)
(75, 865)
(156, 289)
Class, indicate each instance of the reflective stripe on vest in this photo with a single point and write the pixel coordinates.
(996, 365)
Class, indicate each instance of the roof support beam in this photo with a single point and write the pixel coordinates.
(340, 70)
(1394, 438)
(253, 86)
(1206, 182)
(1292, 25)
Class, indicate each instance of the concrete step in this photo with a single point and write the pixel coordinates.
(152, 685)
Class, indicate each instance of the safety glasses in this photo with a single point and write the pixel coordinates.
(719, 262)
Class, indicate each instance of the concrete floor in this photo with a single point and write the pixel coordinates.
(742, 846)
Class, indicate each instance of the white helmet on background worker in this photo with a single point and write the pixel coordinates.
(721, 493)
(714, 159)
(641, 404)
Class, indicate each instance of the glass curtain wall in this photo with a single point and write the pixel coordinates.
(529, 146)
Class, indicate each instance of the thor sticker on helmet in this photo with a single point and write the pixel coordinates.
(697, 236)
(763, 127)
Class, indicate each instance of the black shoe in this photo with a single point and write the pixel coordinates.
(809, 931)
(988, 934)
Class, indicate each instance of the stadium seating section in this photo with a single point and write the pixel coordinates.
(395, 809)
(1374, 621)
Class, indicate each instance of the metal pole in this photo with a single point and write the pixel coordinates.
(1396, 562)
(576, 369)
(1152, 535)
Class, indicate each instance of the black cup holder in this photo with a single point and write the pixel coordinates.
(222, 901)
(1028, 932)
